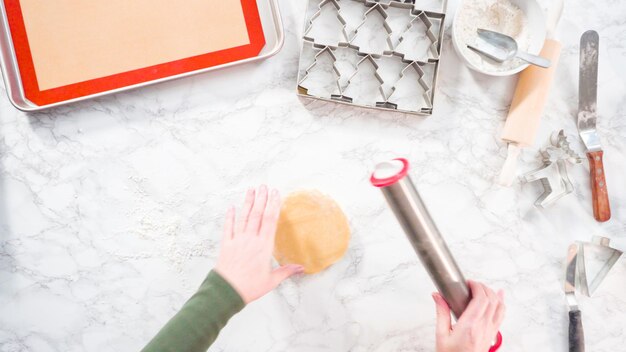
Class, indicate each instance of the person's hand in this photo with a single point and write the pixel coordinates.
(246, 252)
(476, 330)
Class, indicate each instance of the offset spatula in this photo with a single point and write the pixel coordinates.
(576, 332)
(587, 116)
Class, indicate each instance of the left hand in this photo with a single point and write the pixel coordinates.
(246, 252)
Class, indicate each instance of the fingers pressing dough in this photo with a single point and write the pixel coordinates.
(312, 231)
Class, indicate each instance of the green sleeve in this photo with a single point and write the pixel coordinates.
(197, 324)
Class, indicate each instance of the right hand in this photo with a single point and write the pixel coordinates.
(477, 327)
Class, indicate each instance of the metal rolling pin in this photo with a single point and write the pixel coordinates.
(392, 179)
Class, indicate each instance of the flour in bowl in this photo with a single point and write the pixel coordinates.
(497, 15)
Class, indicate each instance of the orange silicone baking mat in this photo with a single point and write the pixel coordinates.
(67, 49)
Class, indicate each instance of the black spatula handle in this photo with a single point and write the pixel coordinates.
(576, 333)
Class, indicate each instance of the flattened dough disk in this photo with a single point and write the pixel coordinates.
(312, 231)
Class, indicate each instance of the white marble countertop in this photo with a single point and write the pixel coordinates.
(110, 210)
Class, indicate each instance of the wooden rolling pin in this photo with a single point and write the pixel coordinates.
(526, 110)
(520, 128)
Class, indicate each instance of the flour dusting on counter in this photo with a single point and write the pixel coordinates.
(497, 15)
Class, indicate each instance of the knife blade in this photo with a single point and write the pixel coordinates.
(587, 118)
(570, 276)
(588, 90)
(576, 332)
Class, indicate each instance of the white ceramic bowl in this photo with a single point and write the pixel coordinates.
(536, 25)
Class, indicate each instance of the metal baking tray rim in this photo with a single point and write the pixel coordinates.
(13, 82)
(367, 107)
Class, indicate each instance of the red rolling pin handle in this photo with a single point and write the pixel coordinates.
(394, 175)
(497, 344)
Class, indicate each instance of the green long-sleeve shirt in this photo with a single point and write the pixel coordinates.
(197, 324)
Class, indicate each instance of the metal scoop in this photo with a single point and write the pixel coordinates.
(500, 47)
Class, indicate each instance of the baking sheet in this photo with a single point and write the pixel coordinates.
(198, 30)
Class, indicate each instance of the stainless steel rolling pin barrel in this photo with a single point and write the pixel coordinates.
(392, 179)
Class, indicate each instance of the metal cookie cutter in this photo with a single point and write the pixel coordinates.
(311, 89)
(404, 51)
(608, 255)
(418, 18)
(576, 279)
(370, 35)
(553, 174)
(308, 36)
(376, 8)
(349, 97)
(398, 98)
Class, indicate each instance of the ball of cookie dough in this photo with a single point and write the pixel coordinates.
(312, 231)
